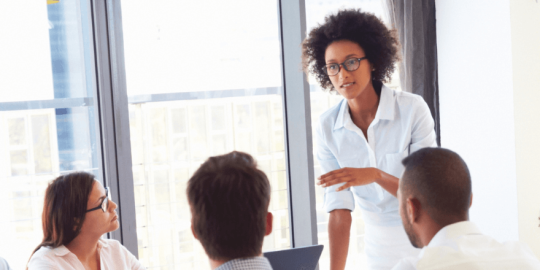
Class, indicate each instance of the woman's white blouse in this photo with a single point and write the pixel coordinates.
(402, 125)
(112, 255)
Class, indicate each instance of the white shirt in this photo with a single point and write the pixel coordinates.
(462, 246)
(113, 256)
(402, 125)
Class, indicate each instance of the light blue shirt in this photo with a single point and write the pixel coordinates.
(402, 125)
(4, 265)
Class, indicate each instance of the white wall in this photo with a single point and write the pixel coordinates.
(477, 106)
(489, 79)
(525, 24)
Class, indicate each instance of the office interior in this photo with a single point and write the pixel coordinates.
(140, 93)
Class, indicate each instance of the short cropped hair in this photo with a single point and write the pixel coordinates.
(378, 42)
(440, 180)
(229, 198)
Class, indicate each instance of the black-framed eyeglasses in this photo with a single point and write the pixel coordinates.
(350, 64)
(104, 203)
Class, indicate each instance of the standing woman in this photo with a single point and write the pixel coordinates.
(362, 140)
(77, 211)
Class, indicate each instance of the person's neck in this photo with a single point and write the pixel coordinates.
(217, 263)
(84, 247)
(365, 105)
(428, 232)
(433, 228)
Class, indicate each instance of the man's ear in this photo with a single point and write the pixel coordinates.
(413, 209)
(471, 200)
(193, 232)
(269, 222)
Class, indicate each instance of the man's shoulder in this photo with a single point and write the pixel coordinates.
(408, 263)
(480, 251)
(521, 253)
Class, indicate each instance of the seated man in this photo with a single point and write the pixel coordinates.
(434, 196)
(229, 199)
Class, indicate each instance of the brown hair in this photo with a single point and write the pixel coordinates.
(229, 200)
(64, 208)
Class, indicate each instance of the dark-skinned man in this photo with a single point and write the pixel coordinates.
(434, 198)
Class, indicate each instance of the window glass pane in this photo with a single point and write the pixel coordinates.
(48, 118)
(203, 79)
(316, 11)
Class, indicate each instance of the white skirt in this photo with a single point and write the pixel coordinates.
(386, 246)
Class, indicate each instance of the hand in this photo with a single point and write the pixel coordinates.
(349, 176)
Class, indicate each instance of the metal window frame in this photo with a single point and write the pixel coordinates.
(298, 132)
(114, 117)
(115, 134)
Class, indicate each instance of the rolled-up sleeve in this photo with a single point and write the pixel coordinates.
(423, 129)
(332, 199)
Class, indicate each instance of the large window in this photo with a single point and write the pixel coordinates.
(203, 79)
(48, 116)
(175, 81)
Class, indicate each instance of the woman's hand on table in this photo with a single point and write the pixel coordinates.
(349, 176)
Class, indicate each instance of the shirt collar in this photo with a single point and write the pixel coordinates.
(259, 263)
(453, 231)
(102, 243)
(63, 250)
(384, 111)
(387, 104)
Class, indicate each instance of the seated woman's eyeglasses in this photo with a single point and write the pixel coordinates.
(104, 203)
(350, 64)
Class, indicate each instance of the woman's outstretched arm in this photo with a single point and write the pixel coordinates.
(360, 177)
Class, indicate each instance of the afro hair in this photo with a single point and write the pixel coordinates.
(378, 42)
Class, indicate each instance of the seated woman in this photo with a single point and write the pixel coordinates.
(77, 211)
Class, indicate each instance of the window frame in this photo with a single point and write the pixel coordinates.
(112, 104)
